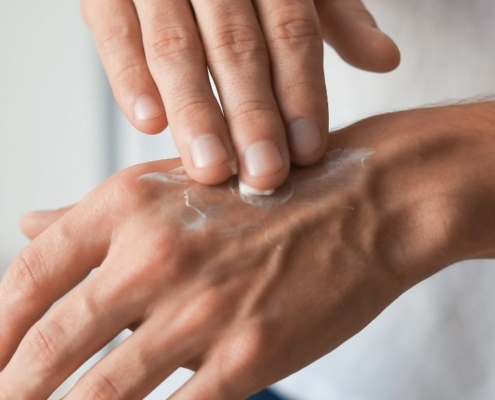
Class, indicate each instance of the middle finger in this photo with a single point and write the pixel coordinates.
(239, 62)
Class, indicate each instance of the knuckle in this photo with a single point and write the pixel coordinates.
(172, 41)
(130, 70)
(25, 274)
(156, 269)
(131, 194)
(115, 38)
(246, 349)
(206, 311)
(238, 42)
(191, 104)
(122, 191)
(44, 345)
(88, 306)
(291, 29)
(246, 356)
(127, 191)
(157, 245)
(251, 108)
(100, 387)
(302, 89)
(250, 346)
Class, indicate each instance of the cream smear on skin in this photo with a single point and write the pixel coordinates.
(305, 187)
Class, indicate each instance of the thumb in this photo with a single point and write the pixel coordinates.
(352, 31)
(34, 223)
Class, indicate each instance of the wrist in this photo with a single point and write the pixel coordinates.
(431, 185)
(473, 190)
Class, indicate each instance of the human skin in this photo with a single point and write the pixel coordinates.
(243, 309)
(266, 58)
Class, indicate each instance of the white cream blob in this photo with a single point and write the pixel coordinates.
(267, 198)
(246, 190)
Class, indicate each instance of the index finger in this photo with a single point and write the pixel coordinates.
(59, 259)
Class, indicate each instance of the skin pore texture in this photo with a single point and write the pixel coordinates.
(245, 291)
(338, 170)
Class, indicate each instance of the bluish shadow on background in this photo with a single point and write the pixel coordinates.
(266, 395)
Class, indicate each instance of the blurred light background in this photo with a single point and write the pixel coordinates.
(61, 134)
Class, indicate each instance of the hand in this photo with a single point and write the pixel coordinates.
(245, 291)
(266, 58)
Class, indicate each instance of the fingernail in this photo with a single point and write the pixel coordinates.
(147, 107)
(262, 159)
(305, 137)
(208, 151)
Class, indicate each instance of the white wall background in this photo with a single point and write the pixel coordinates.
(51, 112)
